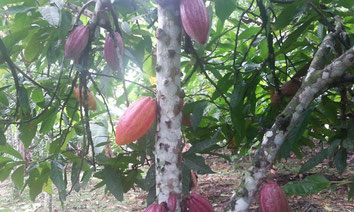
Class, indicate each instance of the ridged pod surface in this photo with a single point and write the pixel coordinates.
(110, 53)
(136, 120)
(197, 203)
(76, 42)
(195, 19)
(91, 102)
(155, 208)
(171, 202)
(272, 198)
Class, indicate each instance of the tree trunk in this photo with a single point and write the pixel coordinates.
(169, 98)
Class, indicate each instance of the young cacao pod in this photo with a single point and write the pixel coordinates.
(136, 120)
(275, 98)
(91, 102)
(195, 19)
(197, 203)
(76, 42)
(110, 51)
(272, 198)
(171, 202)
(155, 208)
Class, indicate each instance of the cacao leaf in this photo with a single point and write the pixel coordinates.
(223, 9)
(310, 185)
(198, 114)
(341, 160)
(197, 163)
(18, 177)
(112, 179)
(8, 149)
(56, 175)
(2, 138)
(296, 133)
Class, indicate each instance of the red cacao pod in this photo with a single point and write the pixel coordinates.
(197, 203)
(171, 202)
(136, 120)
(155, 208)
(195, 19)
(76, 42)
(272, 198)
(110, 52)
(91, 102)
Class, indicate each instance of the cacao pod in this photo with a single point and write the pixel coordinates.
(91, 102)
(274, 97)
(110, 52)
(195, 19)
(197, 203)
(76, 42)
(272, 198)
(171, 202)
(155, 208)
(290, 88)
(136, 120)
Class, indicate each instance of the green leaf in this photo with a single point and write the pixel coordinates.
(56, 175)
(289, 14)
(223, 9)
(310, 185)
(2, 137)
(112, 179)
(37, 178)
(11, 151)
(296, 133)
(198, 114)
(37, 95)
(25, 108)
(197, 163)
(149, 180)
(33, 48)
(330, 109)
(248, 33)
(3, 99)
(18, 177)
(341, 160)
(86, 177)
(27, 132)
(75, 176)
(49, 121)
(314, 161)
(186, 178)
(5, 2)
(18, 9)
(203, 145)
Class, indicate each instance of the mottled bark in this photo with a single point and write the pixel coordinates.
(318, 79)
(168, 136)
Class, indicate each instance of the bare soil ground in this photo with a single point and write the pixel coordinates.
(216, 187)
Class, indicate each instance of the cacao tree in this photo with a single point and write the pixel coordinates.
(264, 79)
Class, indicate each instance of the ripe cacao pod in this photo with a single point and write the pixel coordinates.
(274, 97)
(272, 198)
(171, 202)
(91, 102)
(110, 52)
(136, 120)
(76, 42)
(186, 120)
(197, 203)
(195, 19)
(155, 208)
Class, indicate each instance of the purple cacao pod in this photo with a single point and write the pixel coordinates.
(76, 42)
(110, 52)
(195, 19)
(197, 203)
(155, 208)
(272, 198)
(172, 202)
